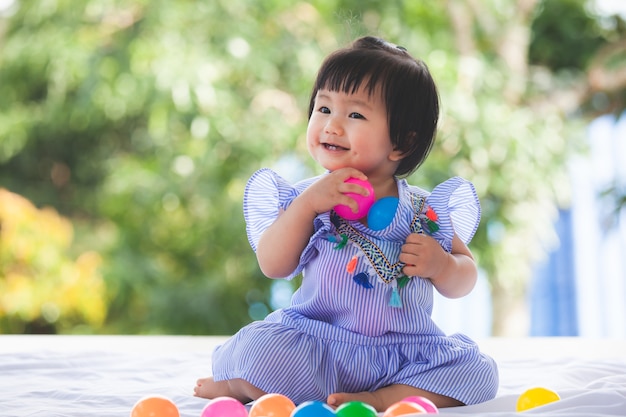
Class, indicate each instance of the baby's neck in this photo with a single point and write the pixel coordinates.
(387, 187)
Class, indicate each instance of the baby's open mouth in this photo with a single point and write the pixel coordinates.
(332, 147)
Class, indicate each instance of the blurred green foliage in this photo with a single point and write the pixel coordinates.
(140, 121)
(562, 27)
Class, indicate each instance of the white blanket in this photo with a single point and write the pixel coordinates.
(105, 376)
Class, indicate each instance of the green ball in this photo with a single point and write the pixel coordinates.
(355, 409)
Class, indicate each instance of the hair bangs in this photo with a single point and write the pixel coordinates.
(347, 73)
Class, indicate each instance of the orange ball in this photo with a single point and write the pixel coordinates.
(402, 408)
(154, 406)
(272, 405)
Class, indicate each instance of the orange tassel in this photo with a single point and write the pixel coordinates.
(351, 266)
(430, 213)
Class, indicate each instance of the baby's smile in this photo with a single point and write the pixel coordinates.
(333, 147)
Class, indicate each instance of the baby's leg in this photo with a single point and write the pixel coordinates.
(383, 398)
(235, 388)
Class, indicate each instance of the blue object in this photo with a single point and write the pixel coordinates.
(552, 292)
(382, 212)
(313, 409)
(363, 280)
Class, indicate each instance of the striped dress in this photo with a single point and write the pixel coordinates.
(339, 335)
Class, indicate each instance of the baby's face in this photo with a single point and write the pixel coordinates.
(351, 130)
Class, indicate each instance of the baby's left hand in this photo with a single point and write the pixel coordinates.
(423, 256)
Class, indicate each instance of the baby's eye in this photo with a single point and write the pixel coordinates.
(355, 115)
(324, 110)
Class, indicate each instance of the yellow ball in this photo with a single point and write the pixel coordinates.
(536, 397)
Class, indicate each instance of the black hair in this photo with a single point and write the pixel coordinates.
(407, 87)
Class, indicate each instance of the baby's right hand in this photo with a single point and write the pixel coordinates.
(330, 190)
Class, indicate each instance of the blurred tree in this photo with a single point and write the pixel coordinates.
(142, 120)
(513, 119)
(42, 288)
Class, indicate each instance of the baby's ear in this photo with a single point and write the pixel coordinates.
(398, 154)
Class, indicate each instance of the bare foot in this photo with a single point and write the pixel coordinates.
(235, 388)
(208, 388)
(383, 398)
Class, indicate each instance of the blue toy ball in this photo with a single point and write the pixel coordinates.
(313, 409)
(382, 212)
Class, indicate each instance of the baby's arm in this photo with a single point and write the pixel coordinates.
(280, 246)
(454, 274)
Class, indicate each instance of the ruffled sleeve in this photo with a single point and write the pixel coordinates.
(265, 196)
(458, 210)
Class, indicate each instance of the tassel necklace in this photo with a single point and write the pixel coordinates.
(378, 265)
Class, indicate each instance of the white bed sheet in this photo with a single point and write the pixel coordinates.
(67, 376)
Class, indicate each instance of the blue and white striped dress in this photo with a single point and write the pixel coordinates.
(338, 336)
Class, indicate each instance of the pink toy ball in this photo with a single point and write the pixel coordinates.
(154, 406)
(424, 402)
(224, 407)
(364, 202)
